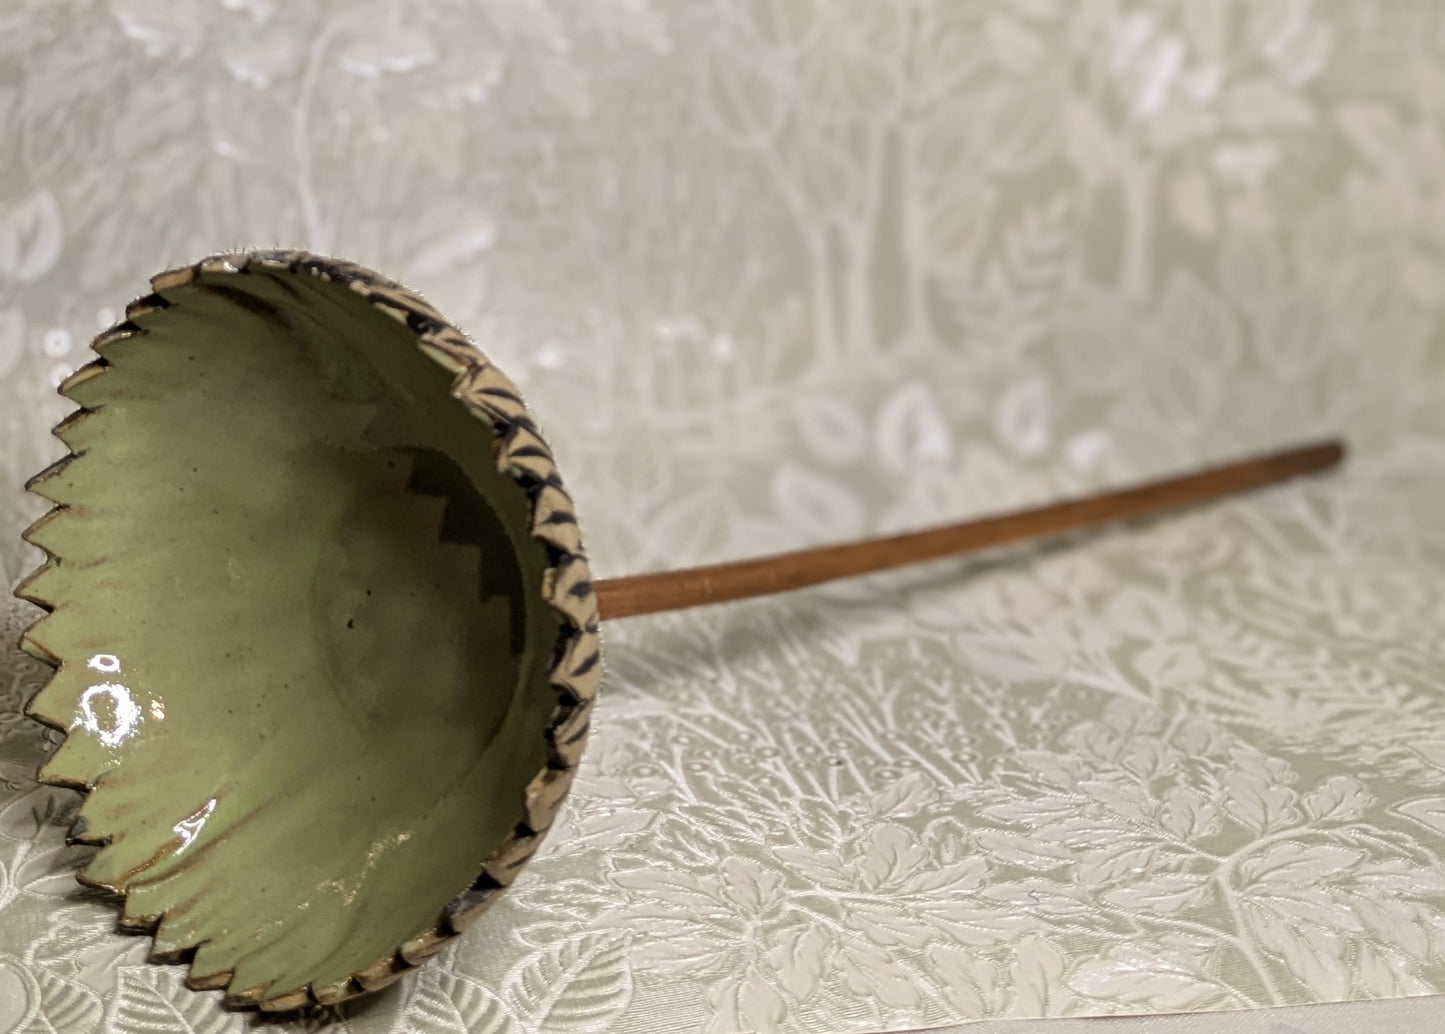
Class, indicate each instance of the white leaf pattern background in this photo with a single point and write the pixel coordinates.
(778, 273)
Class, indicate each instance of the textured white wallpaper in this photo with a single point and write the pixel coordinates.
(781, 272)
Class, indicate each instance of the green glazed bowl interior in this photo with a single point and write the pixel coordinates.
(325, 637)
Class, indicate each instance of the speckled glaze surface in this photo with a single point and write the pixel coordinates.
(324, 630)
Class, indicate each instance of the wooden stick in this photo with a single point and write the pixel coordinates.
(783, 572)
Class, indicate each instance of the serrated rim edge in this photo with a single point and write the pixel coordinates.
(575, 672)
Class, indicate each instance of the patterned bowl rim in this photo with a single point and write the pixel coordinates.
(576, 668)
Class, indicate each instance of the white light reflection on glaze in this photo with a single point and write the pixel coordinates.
(188, 827)
(105, 663)
(122, 720)
(114, 725)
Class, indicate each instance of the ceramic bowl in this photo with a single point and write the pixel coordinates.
(325, 637)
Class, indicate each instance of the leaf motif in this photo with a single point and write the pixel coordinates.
(381, 49)
(1386, 974)
(1022, 417)
(911, 431)
(816, 505)
(903, 797)
(799, 956)
(1308, 905)
(442, 1002)
(154, 998)
(30, 238)
(1256, 763)
(671, 946)
(871, 972)
(890, 851)
(1394, 922)
(969, 924)
(1038, 979)
(1041, 897)
(1122, 860)
(969, 981)
(749, 1002)
(1095, 740)
(683, 889)
(585, 980)
(1428, 811)
(1146, 615)
(19, 998)
(959, 877)
(1292, 865)
(52, 870)
(68, 1005)
(1399, 878)
(1170, 664)
(610, 829)
(1092, 829)
(1057, 769)
(959, 221)
(1196, 737)
(1261, 806)
(1188, 813)
(1151, 982)
(826, 870)
(1133, 717)
(1017, 849)
(749, 885)
(1165, 893)
(1340, 798)
(1122, 796)
(1146, 759)
(887, 925)
(43, 810)
(1314, 954)
(743, 101)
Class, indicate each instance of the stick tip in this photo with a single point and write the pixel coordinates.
(1332, 452)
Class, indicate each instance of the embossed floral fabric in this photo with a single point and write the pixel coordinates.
(1408, 1014)
(782, 272)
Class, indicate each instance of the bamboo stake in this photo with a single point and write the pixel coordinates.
(783, 572)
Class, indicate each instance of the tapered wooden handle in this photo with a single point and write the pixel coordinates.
(783, 572)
